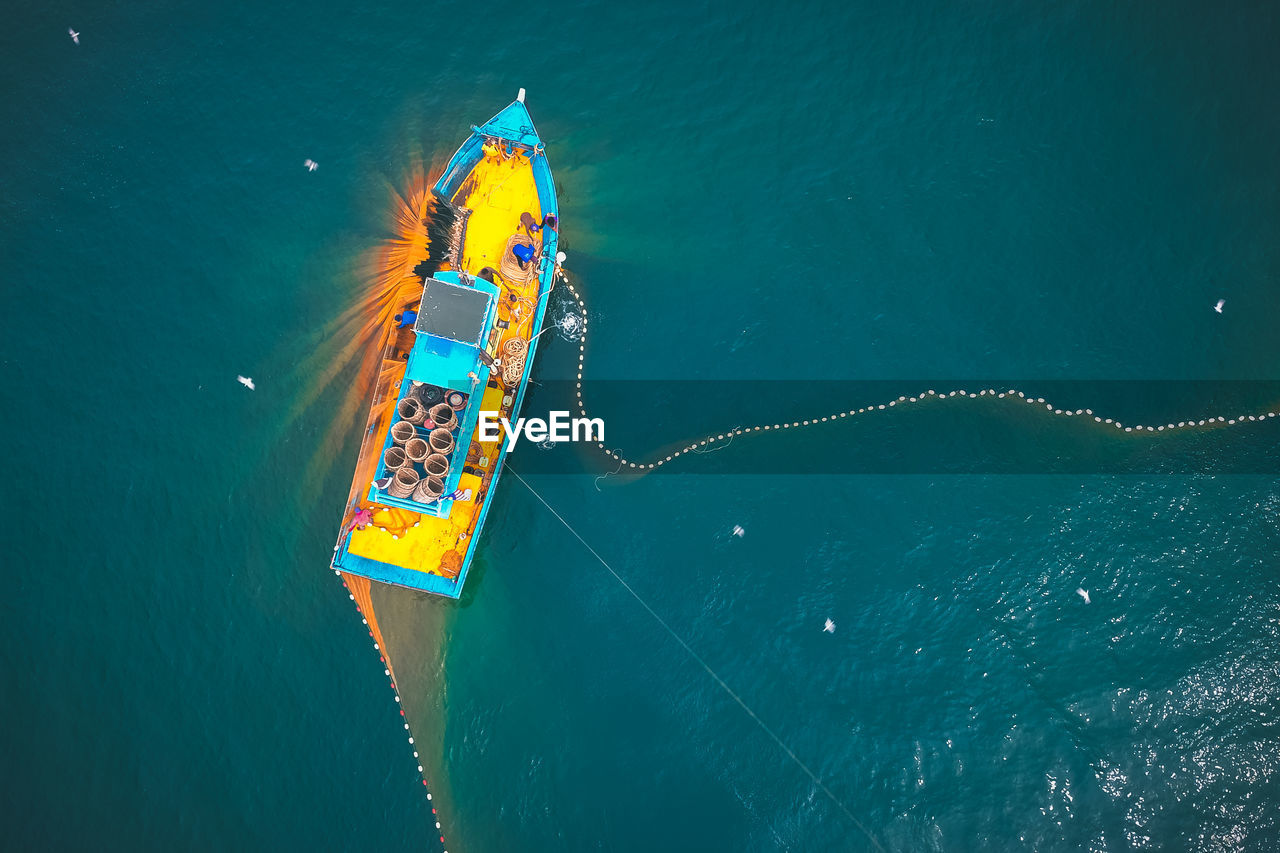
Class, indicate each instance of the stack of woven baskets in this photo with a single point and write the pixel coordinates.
(422, 436)
(404, 482)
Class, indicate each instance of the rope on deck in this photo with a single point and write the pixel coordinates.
(510, 267)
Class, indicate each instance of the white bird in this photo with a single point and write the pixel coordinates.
(830, 627)
(246, 382)
(311, 165)
(738, 531)
(75, 36)
(1083, 593)
(1218, 307)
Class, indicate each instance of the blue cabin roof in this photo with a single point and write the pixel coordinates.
(454, 321)
(453, 311)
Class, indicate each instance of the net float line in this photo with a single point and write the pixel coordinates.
(357, 589)
(717, 440)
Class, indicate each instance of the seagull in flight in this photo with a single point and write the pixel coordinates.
(75, 36)
(1083, 593)
(246, 382)
(830, 627)
(311, 165)
(739, 531)
(1218, 307)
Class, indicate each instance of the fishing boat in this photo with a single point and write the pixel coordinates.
(424, 479)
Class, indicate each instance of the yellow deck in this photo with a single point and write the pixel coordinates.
(499, 189)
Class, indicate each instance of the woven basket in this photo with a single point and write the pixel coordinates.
(428, 489)
(401, 431)
(437, 465)
(404, 482)
(415, 449)
(441, 441)
(411, 410)
(443, 416)
(394, 458)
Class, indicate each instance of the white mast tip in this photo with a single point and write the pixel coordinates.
(520, 96)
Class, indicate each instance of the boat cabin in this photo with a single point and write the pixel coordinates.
(425, 450)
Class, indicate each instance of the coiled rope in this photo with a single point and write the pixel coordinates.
(702, 445)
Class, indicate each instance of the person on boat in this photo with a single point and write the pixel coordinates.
(406, 319)
(524, 254)
(363, 518)
(532, 228)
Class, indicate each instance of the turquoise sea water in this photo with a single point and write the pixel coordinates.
(1033, 191)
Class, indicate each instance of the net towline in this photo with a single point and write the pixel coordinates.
(813, 777)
